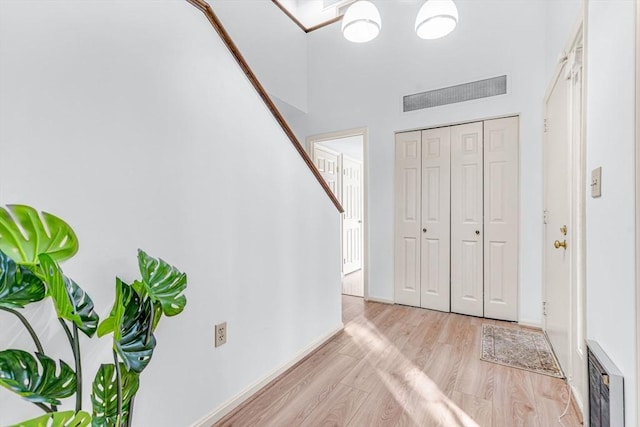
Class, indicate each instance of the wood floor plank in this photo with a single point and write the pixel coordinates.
(403, 366)
(476, 376)
(513, 400)
(380, 409)
(479, 410)
(286, 388)
(552, 398)
(337, 409)
(378, 358)
(298, 402)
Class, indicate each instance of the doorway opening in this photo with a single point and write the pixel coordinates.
(341, 158)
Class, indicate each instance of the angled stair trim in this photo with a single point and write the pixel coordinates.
(233, 49)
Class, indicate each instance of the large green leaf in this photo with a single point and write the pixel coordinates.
(18, 285)
(131, 323)
(20, 373)
(59, 419)
(140, 288)
(114, 320)
(25, 234)
(137, 341)
(163, 282)
(105, 394)
(71, 302)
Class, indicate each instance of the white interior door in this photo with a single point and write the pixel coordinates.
(501, 218)
(466, 219)
(326, 161)
(352, 222)
(557, 214)
(407, 218)
(435, 278)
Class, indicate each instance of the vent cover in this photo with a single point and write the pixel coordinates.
(606, 389)
(453, 94)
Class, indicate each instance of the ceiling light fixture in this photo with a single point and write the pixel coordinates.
(436, 19)
(361, 22)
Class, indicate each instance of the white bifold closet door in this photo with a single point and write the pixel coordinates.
(434, 259)
(422, 219)
(456, 218)
(501, 223)
(407, 188)
(467, 261)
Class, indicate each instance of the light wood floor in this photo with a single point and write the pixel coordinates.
(402, 366)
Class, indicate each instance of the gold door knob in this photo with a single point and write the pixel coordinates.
(558, 244)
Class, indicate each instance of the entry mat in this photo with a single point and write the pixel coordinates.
(519, 348)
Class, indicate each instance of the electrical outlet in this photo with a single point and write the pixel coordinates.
(221, 334)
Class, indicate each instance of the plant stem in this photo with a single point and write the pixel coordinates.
(44, 407)
(78, 360)
(74, 341)
(27, 325)
(119, 388)
(130, 413)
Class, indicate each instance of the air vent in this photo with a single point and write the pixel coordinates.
(606, 389)
(453, 94)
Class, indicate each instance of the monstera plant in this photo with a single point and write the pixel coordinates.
(32, 246)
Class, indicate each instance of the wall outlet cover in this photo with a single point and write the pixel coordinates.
(220, 334)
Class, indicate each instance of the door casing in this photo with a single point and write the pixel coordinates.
(310, 141)
(637, 173)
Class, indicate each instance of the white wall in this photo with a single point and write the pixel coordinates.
(273, 45)
(561, 18)
(361, 85)
(130, 120)
(610, 219)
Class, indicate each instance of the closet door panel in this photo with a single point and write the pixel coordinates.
(407, 218)
(467, 219)
(435, 242)
(501, 218)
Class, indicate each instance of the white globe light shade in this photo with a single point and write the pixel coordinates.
(361, 22)
(436, 19)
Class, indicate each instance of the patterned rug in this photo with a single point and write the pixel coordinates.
(519, 348)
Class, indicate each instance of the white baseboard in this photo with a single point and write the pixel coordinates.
(576, 401)
(380, 300)
(247, 393)
(530, 324)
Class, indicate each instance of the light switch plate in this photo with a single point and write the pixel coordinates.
(596, 182)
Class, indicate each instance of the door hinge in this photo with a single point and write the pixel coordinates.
(545, 216)
(546, 127)
(544, 308)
